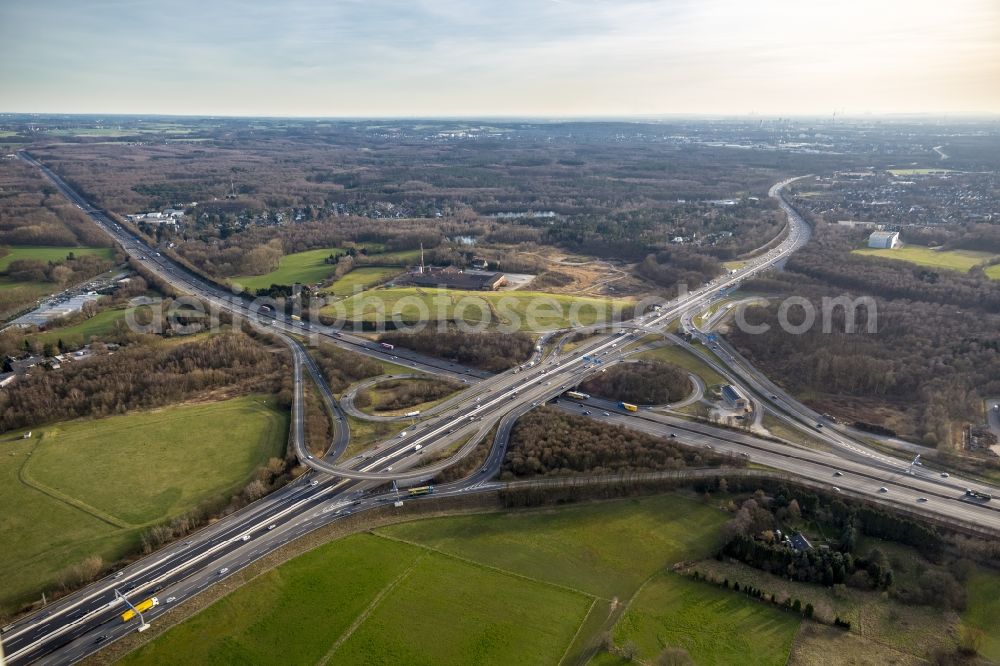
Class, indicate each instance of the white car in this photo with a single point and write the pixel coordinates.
(171, 600)
(223, 571)
(271, 526)
(883, 489)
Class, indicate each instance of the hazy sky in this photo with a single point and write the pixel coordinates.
(502, 57)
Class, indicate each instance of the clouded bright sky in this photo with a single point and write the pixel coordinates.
(500, 57)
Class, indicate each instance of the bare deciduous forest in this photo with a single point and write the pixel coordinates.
(641, 382)
(494, 352)
(141, 376)
(548, 441)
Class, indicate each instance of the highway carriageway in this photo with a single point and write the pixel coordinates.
(945, 497)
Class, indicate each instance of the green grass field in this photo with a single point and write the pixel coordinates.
(360, 279)
(309, 267)
(593, 548)
(983, 611)
(51, 254)
(953, 260)
(523, 310)
(304, 267)
(993, 272)
(84, 487)
(524, 587)
(17, 291)
(79, 334)
(690, 362)
(714, 625)
(366, 599)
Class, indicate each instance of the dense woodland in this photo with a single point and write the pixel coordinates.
(140, 376)
(342, 368)
(751, 537)
(679, 266)
(642, 383)
(548, 441)
(934, 357)
(493, 352)
(33, 212)
(69, 270)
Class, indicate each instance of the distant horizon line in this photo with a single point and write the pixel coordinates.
(895, 115)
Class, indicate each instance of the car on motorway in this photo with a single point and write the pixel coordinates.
(119, 574)
(314, 482)
(100, 639)
(223, 571)
(245, 537)
(836, 489)
(171, 600)
(944, 475)
(271, 526)
(606, 413)
(921, 499)
(310, 457)
(883, 489)
(673, 434)
(838, 473)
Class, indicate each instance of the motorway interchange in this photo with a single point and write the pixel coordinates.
(84, 622)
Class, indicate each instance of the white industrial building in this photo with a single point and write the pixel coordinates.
(884, 240)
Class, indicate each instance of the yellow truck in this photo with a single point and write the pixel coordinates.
(141, 607)
(628, 406)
